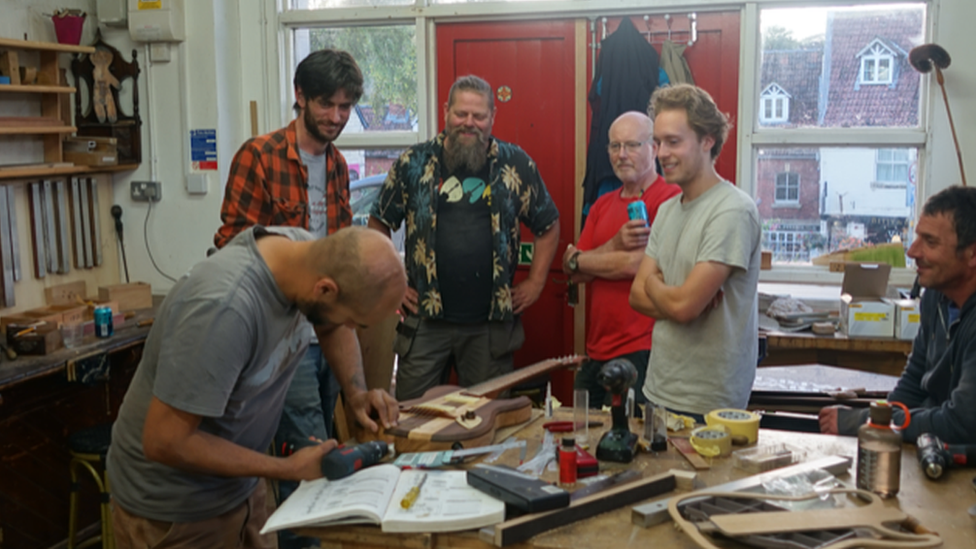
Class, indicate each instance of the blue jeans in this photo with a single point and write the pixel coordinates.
(309, 407)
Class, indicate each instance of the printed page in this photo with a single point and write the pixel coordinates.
(359, 498)
(446, 504)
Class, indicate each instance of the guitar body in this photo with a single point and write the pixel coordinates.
(431, 423)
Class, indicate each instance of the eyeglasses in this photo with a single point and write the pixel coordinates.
(631, 146)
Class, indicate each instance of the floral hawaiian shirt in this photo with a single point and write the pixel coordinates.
(517, 193)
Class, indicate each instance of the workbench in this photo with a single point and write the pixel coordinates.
(880, 355)
(39, 407)
(939, 505)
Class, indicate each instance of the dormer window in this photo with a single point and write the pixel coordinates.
(877, 64)
(774, 105)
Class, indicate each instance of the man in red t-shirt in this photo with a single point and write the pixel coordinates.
(609, 252)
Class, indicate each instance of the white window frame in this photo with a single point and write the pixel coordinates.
(774, 95)
(786, 201)
(871, 58)
(878, 162)
(752, 136)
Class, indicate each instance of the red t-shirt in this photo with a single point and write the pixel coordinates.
(613, 327)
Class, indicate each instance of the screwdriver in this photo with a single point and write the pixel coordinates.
(411, 497)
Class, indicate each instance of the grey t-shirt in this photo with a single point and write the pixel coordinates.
(224, 346)
(709, 362)
(317, 212)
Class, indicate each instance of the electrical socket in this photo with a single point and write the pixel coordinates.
(144, 191)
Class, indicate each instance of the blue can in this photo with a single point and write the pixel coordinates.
(103, 322)
(637, 210)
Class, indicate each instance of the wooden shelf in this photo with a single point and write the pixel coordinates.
(28, 45)
(36, 130)
(36, 89)
(8, 175)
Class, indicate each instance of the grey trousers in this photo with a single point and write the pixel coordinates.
(426, 348)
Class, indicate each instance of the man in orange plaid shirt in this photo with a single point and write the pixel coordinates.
(297, 177)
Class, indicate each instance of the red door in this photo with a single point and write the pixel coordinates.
(531, 67)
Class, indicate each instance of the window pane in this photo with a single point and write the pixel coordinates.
(387, 58)
(367, 172)
(832, 198)
(823, 88)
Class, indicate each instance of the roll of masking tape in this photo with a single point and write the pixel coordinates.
(740, 423)
(711, 441)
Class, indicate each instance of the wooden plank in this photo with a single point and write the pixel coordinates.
(35, 88)
(62, 219)
(14, 239)
(50, 169)
(44, 46)
(96, 226)
(523, 528)
(86, 221)
(76, 226)
(37, 230)
(6, 252)
(688, 452)
(50, 230)
(29, 121)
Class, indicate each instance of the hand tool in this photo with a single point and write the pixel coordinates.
(411, 497)
(935, 456)
(431, 460)
(618, 444)
(343, 460)
(523, 492)
(566, 426)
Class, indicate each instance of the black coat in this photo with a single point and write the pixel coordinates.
(626, 75)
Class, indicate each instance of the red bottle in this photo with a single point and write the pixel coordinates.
(567, 462)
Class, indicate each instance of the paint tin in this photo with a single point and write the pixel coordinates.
(637, 210)
(103, 321)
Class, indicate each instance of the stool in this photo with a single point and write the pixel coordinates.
(88, 448)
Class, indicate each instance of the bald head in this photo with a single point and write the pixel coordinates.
(632, 150)
(363, 264)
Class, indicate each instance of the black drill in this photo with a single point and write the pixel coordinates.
(343, 460)
(934, 456)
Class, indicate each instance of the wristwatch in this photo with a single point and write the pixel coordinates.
(574, 261)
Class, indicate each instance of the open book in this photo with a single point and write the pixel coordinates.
(372, 496)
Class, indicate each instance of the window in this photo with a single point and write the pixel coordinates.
(775, 105)
(787, 188)
(876, 64)
(893, 166)
(840, 169)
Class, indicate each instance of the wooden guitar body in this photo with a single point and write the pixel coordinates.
(447, 415)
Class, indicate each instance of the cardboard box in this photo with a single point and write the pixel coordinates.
(864, 311)
(41, 340)
(907, 318)
(137, 295)
(91, 151)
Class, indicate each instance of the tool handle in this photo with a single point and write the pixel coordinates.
(962, 454)
(411, 497)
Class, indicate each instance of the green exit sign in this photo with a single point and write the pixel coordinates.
(526, 250)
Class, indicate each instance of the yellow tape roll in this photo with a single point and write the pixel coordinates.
(740, 423)
(711, 441)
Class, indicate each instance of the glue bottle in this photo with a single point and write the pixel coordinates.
(879, 451)
(567, 462)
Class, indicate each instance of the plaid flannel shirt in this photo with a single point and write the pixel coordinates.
(268, 185)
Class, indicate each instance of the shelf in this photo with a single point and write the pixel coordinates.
(42, 171)
(28, 45)
(36, 130)
(36, 89)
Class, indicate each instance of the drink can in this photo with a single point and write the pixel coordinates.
(637, 210)
(103, 321)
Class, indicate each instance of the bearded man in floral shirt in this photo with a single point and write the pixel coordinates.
(462, 195)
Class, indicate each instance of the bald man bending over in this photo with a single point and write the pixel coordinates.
(188, 447)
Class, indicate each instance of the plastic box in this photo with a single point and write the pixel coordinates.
(766, 457)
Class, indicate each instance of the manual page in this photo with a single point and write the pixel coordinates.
(446, 503)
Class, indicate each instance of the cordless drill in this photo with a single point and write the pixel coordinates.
(343, 460)
(934, 456)
(618, 444)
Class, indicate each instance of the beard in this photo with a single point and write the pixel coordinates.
(470, 156)
(313, 128)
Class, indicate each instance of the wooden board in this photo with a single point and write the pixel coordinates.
(694, 458)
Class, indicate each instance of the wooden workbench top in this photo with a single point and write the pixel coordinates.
(939, 505)
(837, 341)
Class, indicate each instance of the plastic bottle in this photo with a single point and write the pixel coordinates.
(879, 451)
(567, 462)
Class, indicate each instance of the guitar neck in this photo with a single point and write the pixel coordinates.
(492, 387)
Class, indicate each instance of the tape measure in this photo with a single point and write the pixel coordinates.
(739, 423)
(711, 441)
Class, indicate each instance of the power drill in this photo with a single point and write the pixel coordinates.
(343, 460)
(618, 444)
(934, 456)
